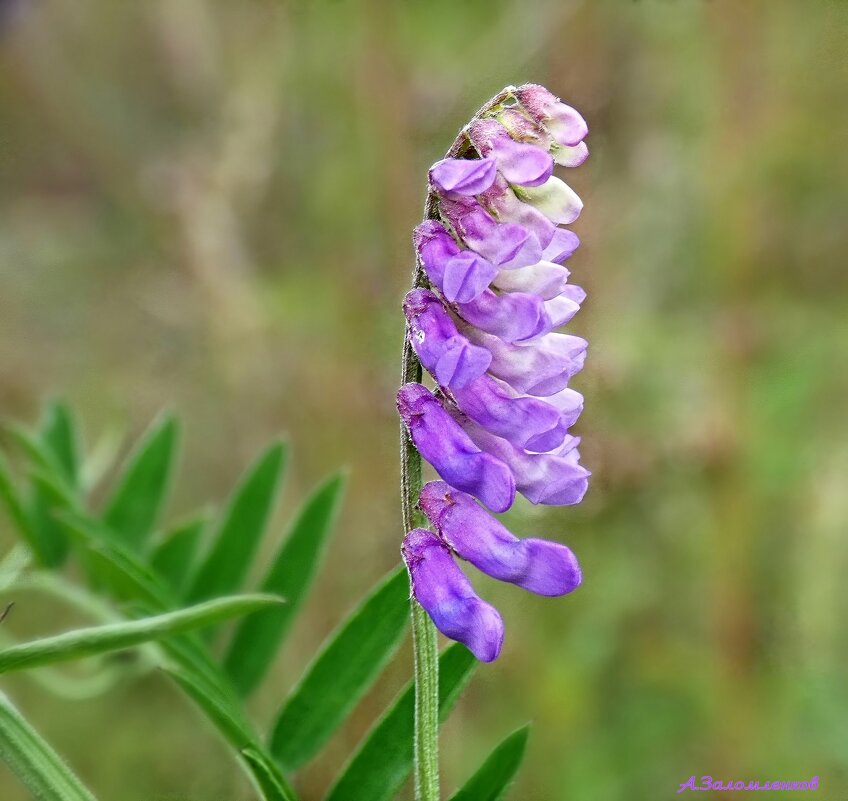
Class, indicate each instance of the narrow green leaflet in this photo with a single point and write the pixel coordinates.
(234, 546)
(135, 505)
(34, 515)
(236, 731)
(271, 782)
(384, 760)
(113, 636)
(257, 640)
(172, 558)
(344, 669)
(34, 762)
(493, 777)
(58, 432)
(14, 506)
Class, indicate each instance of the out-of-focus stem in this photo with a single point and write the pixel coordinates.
(424, 642)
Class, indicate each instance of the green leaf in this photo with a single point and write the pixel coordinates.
(271, 782)
(99, 639)
(18, 514)
(345, 668)
(494, 776)
(236, 731)
(59, 433)
(384, 760)
(257, 640)
(131, 580)
(34, 762)
(134, 507)
(244, 522)
(49, 542)
(172, 558)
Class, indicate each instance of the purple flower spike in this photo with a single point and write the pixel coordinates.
(463, 176)
(540, 566)
(444, 352)
(518, 162)
(545, 279)
(448, 597)
(542, 367)
(506, 245)
(553, 479)
(501, 418)
(561, 247)
(499, 409)
(442, 442)
(563, 123)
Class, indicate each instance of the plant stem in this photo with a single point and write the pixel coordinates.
(424, 642)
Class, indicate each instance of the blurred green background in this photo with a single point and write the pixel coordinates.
(207, 206)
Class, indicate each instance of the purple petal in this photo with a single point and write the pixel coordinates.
(444, 352)
(463, 176)
(540, 566)
(499, 409)
(504, 245)
(564, 123)
(448, 597)
(466, 276)
(563, 244)
(518, 162)
(443, 443)
(505, 205)
(554, 479)
(435, 247)
(512, 317)
(569, 404)
(545, 279)
(542, 367)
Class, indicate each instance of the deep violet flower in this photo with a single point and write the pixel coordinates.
(491, 290)
(443, 590)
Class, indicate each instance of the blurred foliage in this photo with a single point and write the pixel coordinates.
(208, 205)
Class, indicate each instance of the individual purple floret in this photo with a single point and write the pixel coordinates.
(445, 353)
(540, 566)
(490, 293)
(562, 122)
(517, 162)
(506, 245)
(448, 597)
(500, 409)
(443, 443)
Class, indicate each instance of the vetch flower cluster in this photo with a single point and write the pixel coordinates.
(482, 320)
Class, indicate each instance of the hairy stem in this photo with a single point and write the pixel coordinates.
(424, 642)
